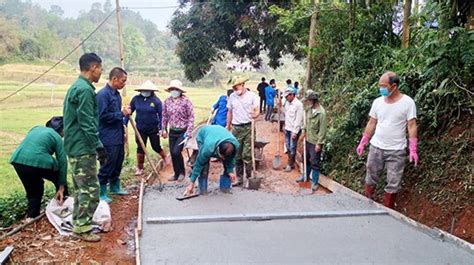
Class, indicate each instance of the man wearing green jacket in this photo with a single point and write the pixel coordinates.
(82, 144)
(214, 141)
(33, 162)
(314, 132)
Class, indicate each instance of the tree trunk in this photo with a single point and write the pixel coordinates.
(406, 24)
(311, 45)
(352, 13)
(470, 17)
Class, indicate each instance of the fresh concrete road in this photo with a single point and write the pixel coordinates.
(374, 239)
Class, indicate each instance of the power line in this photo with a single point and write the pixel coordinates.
(62, 59)
(148, 7)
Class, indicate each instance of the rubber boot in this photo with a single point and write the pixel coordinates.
(240, 172)
(308, 173)
(116, 189)
(202, 183)
(369, 191)
(103, 194)
(140, 163)
(225, 183)
(315, 180)
(389, 199)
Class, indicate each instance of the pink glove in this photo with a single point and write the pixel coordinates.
(413, 155)
(363, 142)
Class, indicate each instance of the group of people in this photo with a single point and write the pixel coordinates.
(94, 126)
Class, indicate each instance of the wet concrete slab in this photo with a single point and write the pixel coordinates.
(379, 239)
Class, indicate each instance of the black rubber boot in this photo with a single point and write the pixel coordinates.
(239, 168)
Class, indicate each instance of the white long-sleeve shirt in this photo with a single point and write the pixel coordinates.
(293, 115)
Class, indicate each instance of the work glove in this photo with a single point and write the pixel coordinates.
(363, 142)
(101, 155)
(412, 148)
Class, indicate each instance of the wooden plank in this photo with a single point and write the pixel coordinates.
(137, 248)
(261, 216)
(5, 254)
(140, 207)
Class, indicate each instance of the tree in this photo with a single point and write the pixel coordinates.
(406, 24)
(311, 46)
(244, 28)
(9, 40)
(134, 43)
(108, 7)
(56, 10)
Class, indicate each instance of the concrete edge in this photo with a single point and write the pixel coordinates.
(261, 216)
(437, 233)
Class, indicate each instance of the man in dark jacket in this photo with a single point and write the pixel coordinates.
(82, 145)
(111, 132)
(261, 93)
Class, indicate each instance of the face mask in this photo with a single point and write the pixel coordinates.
(175, 93)
(146, 93)
(238, 92)
(384, 92)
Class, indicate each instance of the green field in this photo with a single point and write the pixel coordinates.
(37, 103)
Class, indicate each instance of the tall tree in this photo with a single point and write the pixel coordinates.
(406, 24)
(205, 29)
(311, 46)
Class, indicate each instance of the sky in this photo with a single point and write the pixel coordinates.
(160, 17)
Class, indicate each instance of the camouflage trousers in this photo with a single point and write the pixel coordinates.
(86, 195)
(392, 160)
(243, 134)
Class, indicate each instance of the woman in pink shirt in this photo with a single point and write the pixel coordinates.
(178, 123)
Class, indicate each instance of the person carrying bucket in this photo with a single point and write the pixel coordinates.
(213, 141)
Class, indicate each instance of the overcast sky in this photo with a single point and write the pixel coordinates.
(160, 17)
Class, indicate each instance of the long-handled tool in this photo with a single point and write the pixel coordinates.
(305, 173)
(254, 181)
(142, 144)
(277, 160)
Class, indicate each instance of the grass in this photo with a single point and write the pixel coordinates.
(36, 104)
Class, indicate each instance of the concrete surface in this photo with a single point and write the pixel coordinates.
(335, 240)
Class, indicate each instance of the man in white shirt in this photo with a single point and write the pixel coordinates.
(293, 123)
(242, 108)
(390, 116)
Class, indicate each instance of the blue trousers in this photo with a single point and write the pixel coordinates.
(291, 143)
(110, 170)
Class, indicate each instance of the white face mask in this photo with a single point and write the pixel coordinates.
(146, 93)
(175, 93)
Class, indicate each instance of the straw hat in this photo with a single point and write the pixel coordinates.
(176, 84)
(237, 80)
(147, 86)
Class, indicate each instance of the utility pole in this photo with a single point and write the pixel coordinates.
(119, 27)
(125, 99)
(311, 45)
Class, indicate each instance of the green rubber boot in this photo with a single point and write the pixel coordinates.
(116, 189)
(103, 194)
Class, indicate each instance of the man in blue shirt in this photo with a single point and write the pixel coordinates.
(111, 132)
(270, 94)
(221, 107)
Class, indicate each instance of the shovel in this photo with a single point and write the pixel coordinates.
(277, 160)
(254, 181)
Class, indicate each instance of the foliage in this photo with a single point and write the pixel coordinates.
(436, 71)
(14, 206)
(244, 28)
(29, 32)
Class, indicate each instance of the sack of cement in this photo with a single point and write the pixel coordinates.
(60, 216)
